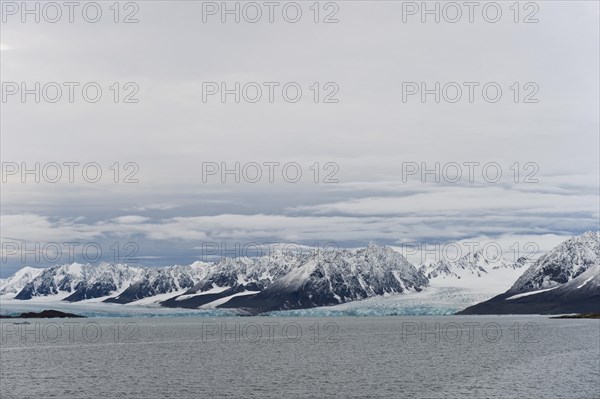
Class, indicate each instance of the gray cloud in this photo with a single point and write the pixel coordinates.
(368, 134)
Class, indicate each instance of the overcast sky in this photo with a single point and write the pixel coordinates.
(363, 141)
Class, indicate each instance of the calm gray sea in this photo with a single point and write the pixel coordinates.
(275, 357)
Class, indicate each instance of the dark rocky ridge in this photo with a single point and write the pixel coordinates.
(44, 314)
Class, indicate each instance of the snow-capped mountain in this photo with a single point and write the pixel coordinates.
(564, 263)
(453, 286)
(237, 276)
(153, 282)
(471, 265)
(332, 277)
(15, 283)
(276, 281)
(80, 281)
(565, 280)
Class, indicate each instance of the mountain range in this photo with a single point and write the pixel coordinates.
(563, 280)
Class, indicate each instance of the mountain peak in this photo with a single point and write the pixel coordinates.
(566, 261)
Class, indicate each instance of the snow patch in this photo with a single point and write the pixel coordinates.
(221, 301)
(585, 282)
(530, 293)
(214, 290)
